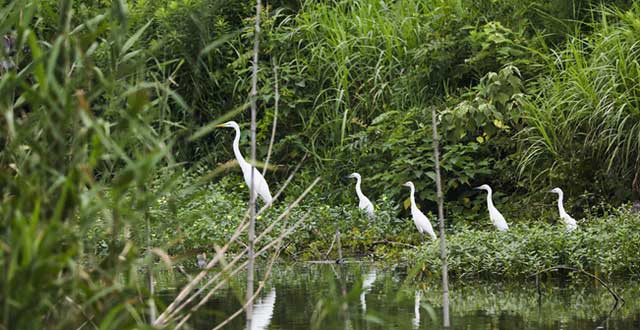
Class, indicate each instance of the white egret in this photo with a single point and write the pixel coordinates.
(263, 311)
(496, 217)
(364, 203)
(259, 183)
(421, 221)
(367, 284)
(569, 222)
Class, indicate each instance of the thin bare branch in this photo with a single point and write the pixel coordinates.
(584, 272)
(163, 318)
(255, 295)
(388, 242)
(279, 240)
(275, 116)
(289, 208)
(168, 315)
(443, 241)
(252, 196)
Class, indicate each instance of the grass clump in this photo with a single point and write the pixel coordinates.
(606, 246)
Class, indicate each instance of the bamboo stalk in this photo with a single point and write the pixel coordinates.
(339, 245)
(252, 198)
(152, 303)
(443, 243)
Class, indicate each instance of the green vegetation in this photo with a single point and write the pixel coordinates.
(107, 147)
(605, 246)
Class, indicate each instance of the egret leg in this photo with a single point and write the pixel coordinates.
(422, 237)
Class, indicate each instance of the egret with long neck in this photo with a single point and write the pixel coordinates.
(364, 202)
(421, 221)
(259, 183)
(569, 222)
(496, 217)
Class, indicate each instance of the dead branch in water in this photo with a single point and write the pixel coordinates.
(584, 272)
(388, 242)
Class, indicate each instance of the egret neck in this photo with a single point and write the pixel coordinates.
(236, 147)
(560, 206)
(490, 199)
(358, 190)
(413, 199)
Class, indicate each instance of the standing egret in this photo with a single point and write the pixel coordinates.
(569, 222)
(259, 183)
(496, 217)
(364, 204)
(421, 221)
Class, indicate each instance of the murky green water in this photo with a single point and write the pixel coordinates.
(361, 296)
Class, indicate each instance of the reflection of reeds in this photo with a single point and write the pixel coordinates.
(559, 301)
(187, 294)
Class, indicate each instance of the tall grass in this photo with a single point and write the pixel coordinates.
(357, 56)
(585, 118)
(82, 139)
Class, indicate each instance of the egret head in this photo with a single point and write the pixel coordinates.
(408, 184)
(483, 187)
(231, 124)
(556, 191)
(354, 175)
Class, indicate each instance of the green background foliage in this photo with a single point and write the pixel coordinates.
(97, 147)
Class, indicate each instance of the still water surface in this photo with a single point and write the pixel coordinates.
(365, 296)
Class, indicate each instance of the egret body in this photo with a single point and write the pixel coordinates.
(569, 222)
(364, 203)
(496, 217)
(259, 183)
(421, 221)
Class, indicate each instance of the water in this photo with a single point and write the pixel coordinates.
(361, 296)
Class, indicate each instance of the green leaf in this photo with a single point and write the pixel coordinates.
(134, 38)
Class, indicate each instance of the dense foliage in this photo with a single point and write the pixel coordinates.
(604, 246)
(107, 148)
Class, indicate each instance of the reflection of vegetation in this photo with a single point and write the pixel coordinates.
(557, 303)
(311, 295)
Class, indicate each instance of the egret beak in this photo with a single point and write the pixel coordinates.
(220, 125)
(478, 188)
(551, 191)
